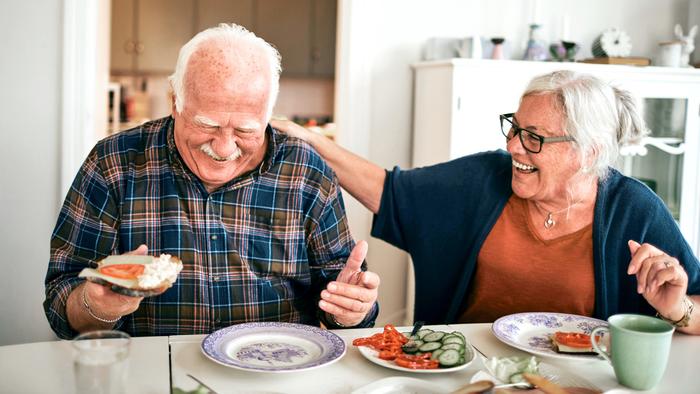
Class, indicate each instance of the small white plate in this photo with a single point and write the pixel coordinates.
(532, 332)
(373, 356)
(400, 385)
(550, 372)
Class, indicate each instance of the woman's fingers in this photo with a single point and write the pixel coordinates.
(649, 264)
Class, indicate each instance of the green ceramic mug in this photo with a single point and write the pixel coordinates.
(639, 347)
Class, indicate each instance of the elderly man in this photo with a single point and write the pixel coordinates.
(256, 217)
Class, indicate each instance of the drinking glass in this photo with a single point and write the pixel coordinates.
(101, 362)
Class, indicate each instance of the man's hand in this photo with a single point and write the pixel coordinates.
(103, 302)
(660, 279)
(351, 296)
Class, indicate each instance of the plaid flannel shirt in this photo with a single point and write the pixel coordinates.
(260, 248)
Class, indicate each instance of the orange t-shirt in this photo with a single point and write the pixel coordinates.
(517, 271)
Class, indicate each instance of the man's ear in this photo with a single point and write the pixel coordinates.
(173, 110)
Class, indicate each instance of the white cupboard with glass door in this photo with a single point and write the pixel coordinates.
(457, 103)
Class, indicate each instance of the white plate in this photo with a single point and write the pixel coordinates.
(550, 372)
(400, 385)
(532, 332)
(373, 356)
(273, 347)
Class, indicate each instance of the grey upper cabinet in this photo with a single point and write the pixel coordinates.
(147, 34)
(123, 45)
(323, 37)
(287, 25)
(303, 31)
(212, 12)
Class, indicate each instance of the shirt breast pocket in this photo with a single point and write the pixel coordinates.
(276, 244)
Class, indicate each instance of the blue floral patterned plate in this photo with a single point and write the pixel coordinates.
(532, 332)
(273, 347)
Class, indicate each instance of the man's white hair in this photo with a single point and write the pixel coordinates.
(233, 36)
(599, 116)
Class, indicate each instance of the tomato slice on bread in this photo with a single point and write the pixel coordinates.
(573, 339)
(122, 271)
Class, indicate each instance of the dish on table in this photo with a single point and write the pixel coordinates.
(426, 352)
(550, 372)
(532, 332)
(273, 347)
(135, 275)
(400, 385)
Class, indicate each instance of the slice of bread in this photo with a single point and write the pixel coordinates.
(572, 342)
(131, 286)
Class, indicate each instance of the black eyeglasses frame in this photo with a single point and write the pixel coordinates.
(519, 131)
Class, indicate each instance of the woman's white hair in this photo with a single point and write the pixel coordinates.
(599, 116)
(233, 36)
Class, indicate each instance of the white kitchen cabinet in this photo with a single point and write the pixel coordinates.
(457, 103)
(147, 34)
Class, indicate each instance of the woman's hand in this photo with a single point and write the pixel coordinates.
(292, 129)
(661, 279)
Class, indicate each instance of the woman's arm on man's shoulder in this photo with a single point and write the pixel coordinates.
(363, 179)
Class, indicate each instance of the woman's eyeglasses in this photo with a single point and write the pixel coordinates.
(532, 142)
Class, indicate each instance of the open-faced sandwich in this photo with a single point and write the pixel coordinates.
(131, 275)
(573, 342)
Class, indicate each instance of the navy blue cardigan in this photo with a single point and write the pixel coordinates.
(442, 214)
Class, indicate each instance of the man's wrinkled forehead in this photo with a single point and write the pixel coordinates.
(215, 63)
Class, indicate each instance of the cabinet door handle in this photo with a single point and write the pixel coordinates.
(316, 54)
(129, 46)
(139, 47)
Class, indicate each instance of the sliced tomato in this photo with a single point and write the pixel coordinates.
(122, 271)
(573, 339)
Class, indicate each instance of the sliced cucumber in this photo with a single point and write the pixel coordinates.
(454, 346)
(423, 332)
(436, 354)
(452, 339)
(429, 346)
(459, 334)
(449, 358)
(435, 336)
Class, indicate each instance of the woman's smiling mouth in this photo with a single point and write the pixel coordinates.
(523, 168)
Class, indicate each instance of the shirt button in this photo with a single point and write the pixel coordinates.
(217, 320)
(214, 237)
(216, 279)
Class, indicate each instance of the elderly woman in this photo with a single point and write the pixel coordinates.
(547, 226)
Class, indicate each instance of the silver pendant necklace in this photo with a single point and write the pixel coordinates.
(549, 221)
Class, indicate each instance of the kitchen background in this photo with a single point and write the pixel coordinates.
(57, 68)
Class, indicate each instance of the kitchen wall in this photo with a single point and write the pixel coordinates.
(30, 76)
(379, 40)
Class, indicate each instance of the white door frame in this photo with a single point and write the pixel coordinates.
(85, 76)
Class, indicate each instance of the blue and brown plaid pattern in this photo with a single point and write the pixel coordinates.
(258, 249)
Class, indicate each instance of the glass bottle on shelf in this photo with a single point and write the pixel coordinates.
(536, 49)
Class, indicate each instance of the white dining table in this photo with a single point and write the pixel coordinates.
(159, 364)
(354, 371)
(47, 367)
